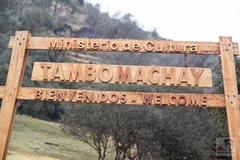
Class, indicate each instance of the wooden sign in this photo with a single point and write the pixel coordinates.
(120, 74)
(113, 97)
(122, 45)
(116, 74)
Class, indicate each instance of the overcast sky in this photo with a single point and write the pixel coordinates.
(200, 20)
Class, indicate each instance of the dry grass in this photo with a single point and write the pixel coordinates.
(37, 139)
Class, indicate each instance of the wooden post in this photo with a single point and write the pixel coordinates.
(14, 79)
(231, 94)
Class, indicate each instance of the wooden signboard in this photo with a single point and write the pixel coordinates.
(116, 74)
(121, 75)
(112, 97)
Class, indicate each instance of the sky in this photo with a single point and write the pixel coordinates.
(193, 20)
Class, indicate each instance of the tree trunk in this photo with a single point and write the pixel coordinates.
(55, 9)
(99, 157)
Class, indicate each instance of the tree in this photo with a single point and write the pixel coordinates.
(122, 128)
(90, 125)
(130, 128)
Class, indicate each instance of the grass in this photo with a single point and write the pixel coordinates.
(38, 138)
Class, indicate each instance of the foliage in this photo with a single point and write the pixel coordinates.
(148, 133)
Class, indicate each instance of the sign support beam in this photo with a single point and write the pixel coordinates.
(231, 94)
(14, 79)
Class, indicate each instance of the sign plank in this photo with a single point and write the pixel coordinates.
(231, 94)
(120, 97)
(122, 74)
(14, 79)
(124, 45)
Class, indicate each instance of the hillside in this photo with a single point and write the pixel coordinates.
(35, 139)
(66, 18)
